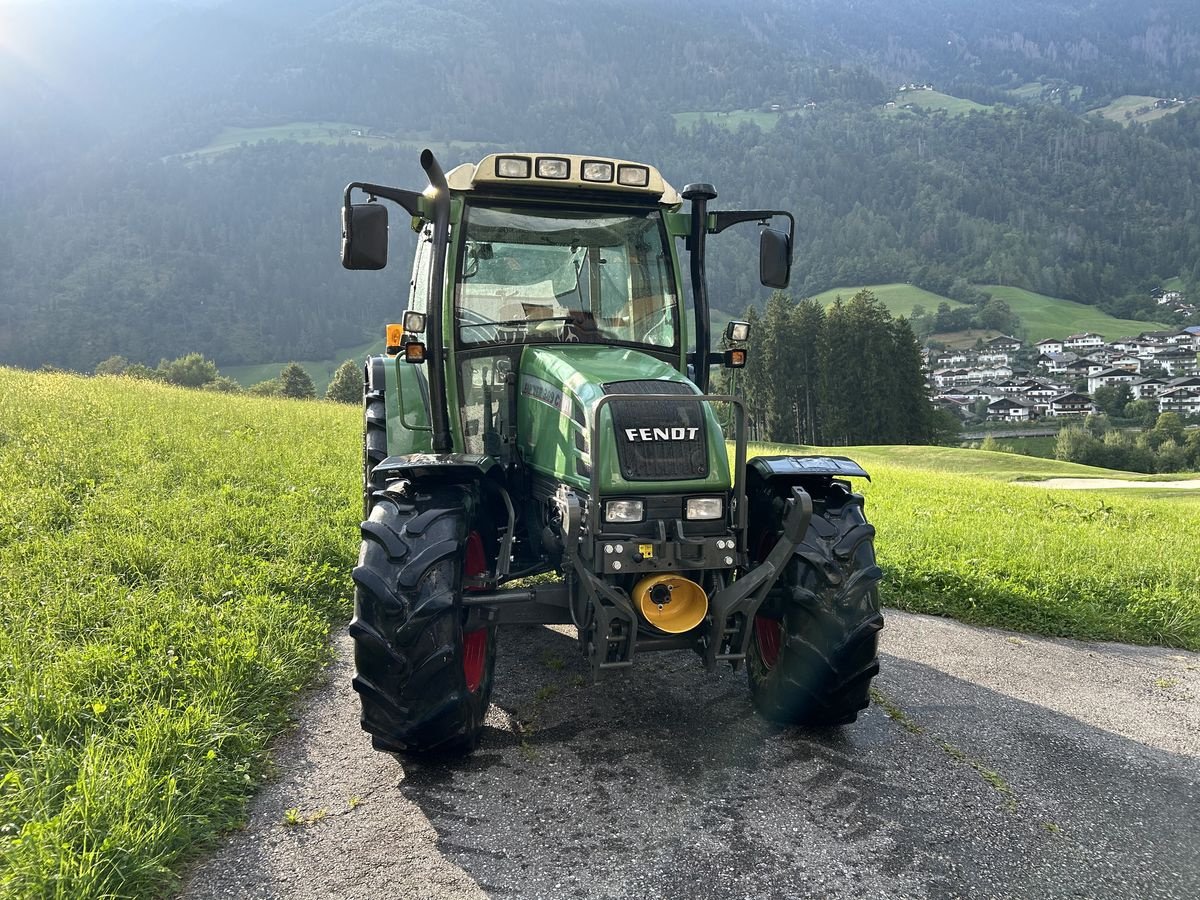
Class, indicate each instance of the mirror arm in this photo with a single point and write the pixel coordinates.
(410, 200)
(722, 220)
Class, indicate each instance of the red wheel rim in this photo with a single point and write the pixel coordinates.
(768, 634)
(474, 657)
(474, 643)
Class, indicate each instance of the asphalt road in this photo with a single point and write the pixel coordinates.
(991, 765)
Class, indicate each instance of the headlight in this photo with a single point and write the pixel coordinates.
(624, 511)
(704, 508)
(553, 167)
(595, 170)
(512, 166)
(633, 176)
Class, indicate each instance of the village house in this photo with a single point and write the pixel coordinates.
(1085, 342)
(1132, 363)
(946, 378)
(1178, 362)
(1003, 344)
(994, 359)
(1182, 400)
(1072, 405)
(1050, 345)
(1147, 388)
(1010, 409)
(1107, 377)
(1056, 362)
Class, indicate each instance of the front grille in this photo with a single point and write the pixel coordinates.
(659, 440)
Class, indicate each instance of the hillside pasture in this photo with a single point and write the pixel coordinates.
(898, 298)
(936, 100)
(233, 137)
(1036, 91)
(1134, 108)
(1052, 317)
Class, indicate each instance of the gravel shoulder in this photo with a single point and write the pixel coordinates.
(991, 765)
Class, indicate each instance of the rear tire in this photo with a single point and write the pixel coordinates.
(813, 649)
(424, 679)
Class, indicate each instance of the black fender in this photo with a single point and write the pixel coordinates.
(818, 471)
(437, 468)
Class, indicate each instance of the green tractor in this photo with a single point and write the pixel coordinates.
(543, 407)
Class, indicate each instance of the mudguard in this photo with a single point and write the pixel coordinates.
(795, 469)
(438, 468)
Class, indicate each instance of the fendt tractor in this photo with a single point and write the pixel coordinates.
(543, 407)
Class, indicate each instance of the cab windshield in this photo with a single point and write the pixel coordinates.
(550, 276)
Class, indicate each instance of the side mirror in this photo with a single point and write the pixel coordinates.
(364, 236)
(774, 258)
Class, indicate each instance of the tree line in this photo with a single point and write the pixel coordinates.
(849, 374)
(1167, 447)
(193, 370)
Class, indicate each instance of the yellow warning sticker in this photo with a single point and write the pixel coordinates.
(647, 551)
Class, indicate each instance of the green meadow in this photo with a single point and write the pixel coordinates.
(172, 563)
(1041, 316)
(898, 298)
(1125, 110)
(1053, 317)
(231, 137)
(935, 100)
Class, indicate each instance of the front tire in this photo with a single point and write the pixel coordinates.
(814, 646)
(423, 669)
(374, 443)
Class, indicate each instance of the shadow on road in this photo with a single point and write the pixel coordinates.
(664, 783)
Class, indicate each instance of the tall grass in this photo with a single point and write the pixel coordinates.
(170, 564)
(1091, 565)
(957, 537)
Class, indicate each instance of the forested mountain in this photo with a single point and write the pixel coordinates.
(114, 240)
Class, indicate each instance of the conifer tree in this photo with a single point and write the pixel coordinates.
(295, 382)
(346, 385)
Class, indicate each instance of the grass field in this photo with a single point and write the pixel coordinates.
(934, 100)
(230, 138)
(171, 563)
(732, 120)
(899, 298)
(319, 370)
(1041, 316)
(1035, 90)
(1125, 110)
(957, 538)
(1051, 317)
(1042, 446)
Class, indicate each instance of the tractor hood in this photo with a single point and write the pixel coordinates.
(646, 446)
